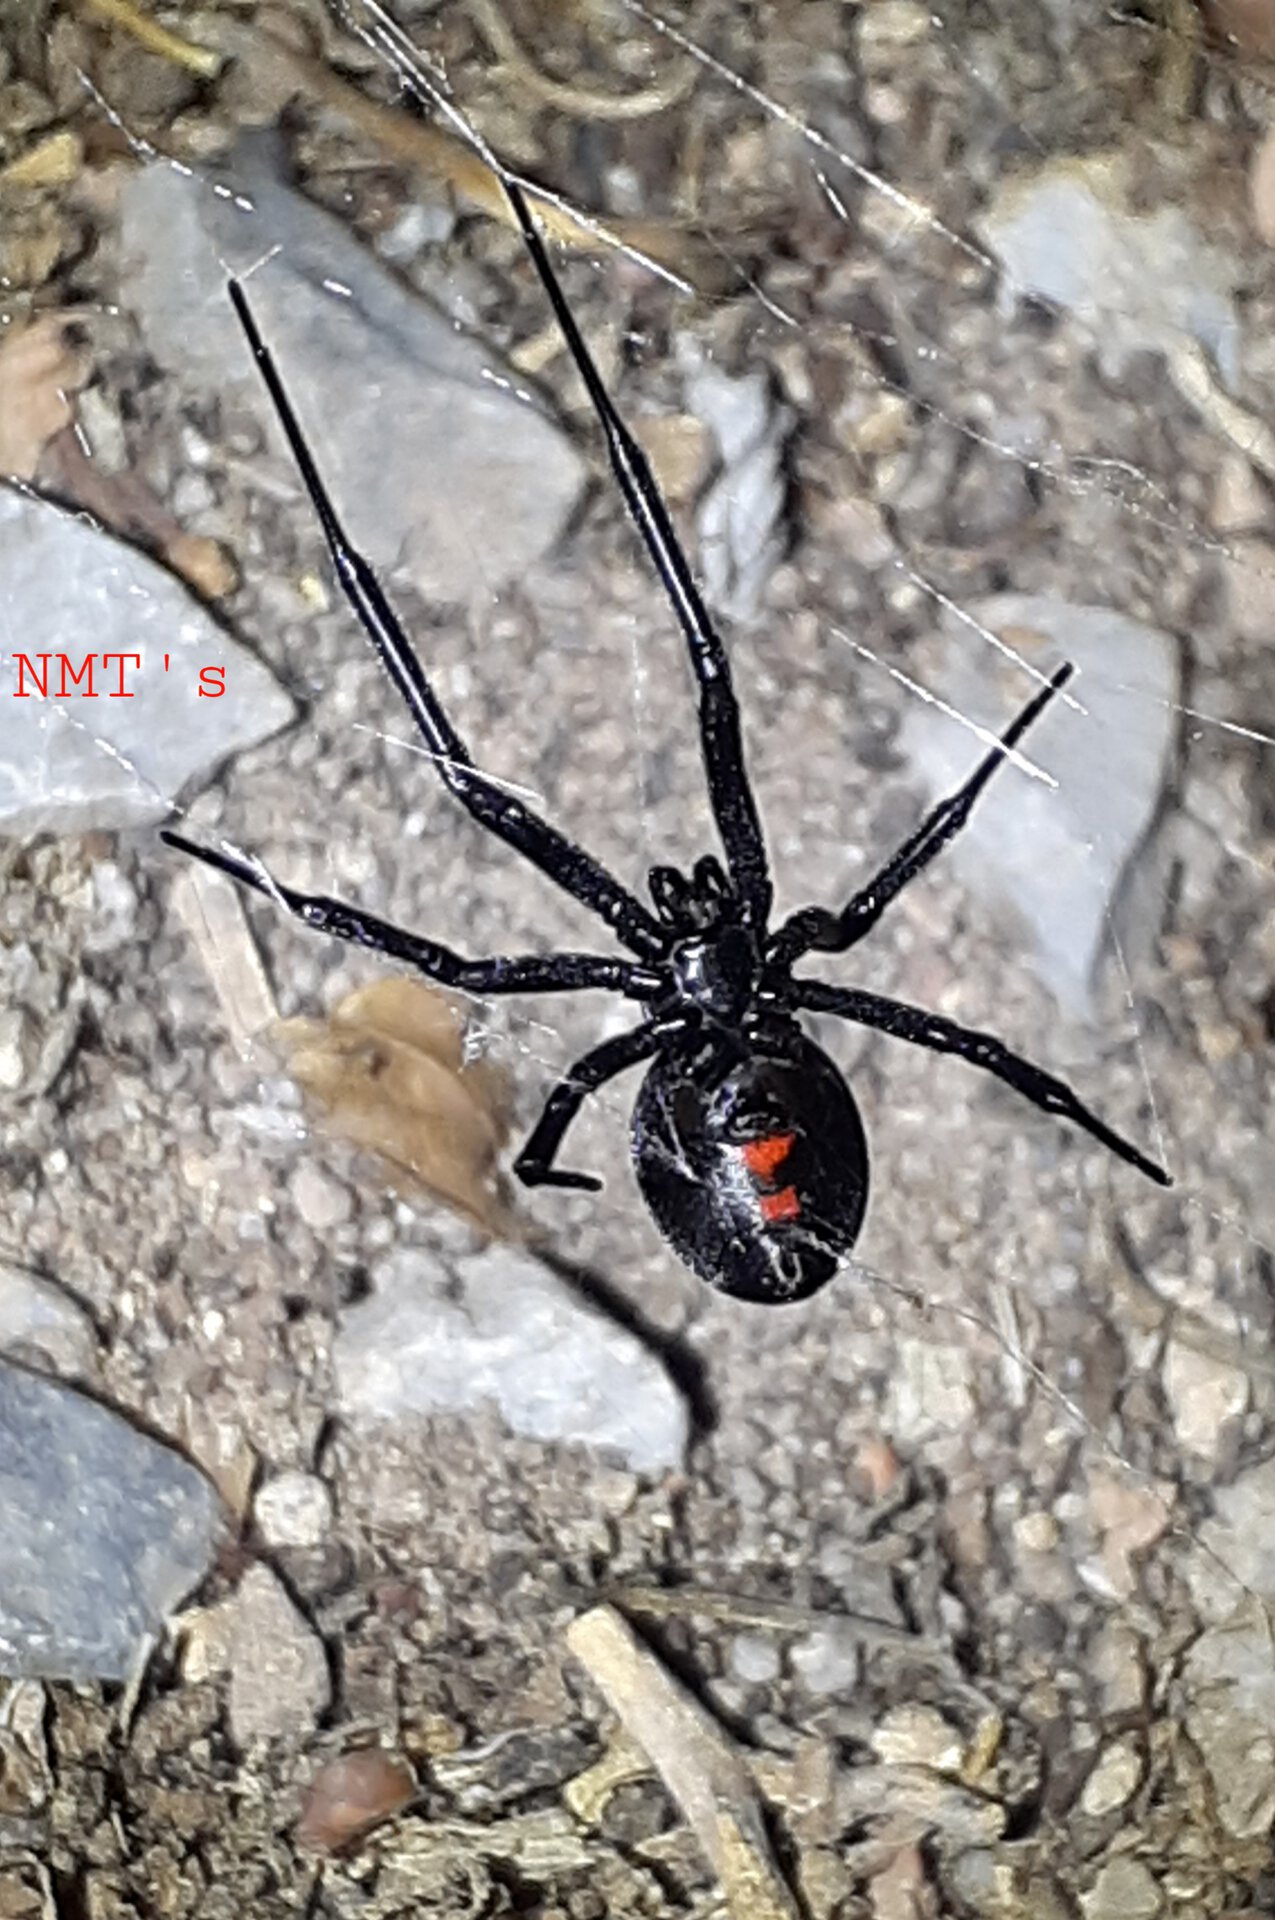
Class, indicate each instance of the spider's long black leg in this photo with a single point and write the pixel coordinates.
(494, 808)
(814, 927)
(734, 807)
(524, 973)
(980, 1049)
(534, 1165)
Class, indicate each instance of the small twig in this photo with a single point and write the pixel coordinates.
(693, 1757)
(122, 13)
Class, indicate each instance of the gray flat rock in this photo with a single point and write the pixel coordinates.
(504, 1328)
(70, 762)
(103, 1531)
(1057, 856)
(443, 466)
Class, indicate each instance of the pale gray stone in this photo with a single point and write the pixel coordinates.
(1114, 1780)
(440, 460)
(1058, 856)
(1229, 1681)
(1141, 282)
(754, 1658)
(69, 763)
(1123, 1890)
(827, 1660)
(293, 1509)
(1205, 1397)
(502, 1327)
(279, 1678)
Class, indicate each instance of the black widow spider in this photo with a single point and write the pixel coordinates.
(746, 1141)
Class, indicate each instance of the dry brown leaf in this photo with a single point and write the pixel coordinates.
(387, 1067)
(40, 369)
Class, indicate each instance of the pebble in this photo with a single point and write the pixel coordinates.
(891, 24)
(14, 1041)
(1248, 572)
(1036, 1532)
(827, 1660)
(1205, 1396)
(321, 1201)
(1130, 1517)
(293, 1509)
(918, 1736)
(102, 1532)
(446, 470)
(754, 1658)
(499, 1326)
(1114, 1779)
(279, 1679)
(932, 1390)
(70, 764)
(1117, 1663)
(1123, 1890)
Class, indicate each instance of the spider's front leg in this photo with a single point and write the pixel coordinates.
(816, 928)
(980, 1049)
(534, 1165)
(519, 973)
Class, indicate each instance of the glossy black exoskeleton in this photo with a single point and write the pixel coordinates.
(746, 1141)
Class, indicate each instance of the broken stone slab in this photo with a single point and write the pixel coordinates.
(444, 467)
(103, 1531)
(1063, 858)
(110, 744)
(502, 1327)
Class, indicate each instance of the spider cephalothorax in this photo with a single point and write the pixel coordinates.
(746, 1141)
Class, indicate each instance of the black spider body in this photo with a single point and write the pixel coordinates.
(746, 1142)
(751, 1156)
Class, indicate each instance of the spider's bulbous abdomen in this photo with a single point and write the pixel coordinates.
(754, 1166)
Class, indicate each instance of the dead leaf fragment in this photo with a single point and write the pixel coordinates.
(388, 1068)
(351, 1795)
(39, 371)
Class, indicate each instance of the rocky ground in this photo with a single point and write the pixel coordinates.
(966, 1560)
